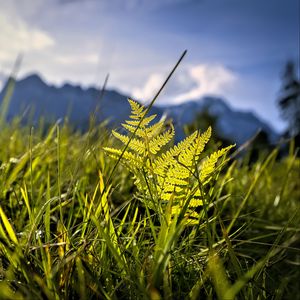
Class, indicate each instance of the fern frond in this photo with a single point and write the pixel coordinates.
(141, 132)
(195, 202)
(202, 140)
(188, 157)
(166, 196)
(127, 156)
(178, 171)
(170, 188)
(208, 165)
(142, 123)
(154, 129)
(132, 129)
(161, 140)
(137, 110)
(166, 176)
(168, 158)
(175, 181)
(134, 144)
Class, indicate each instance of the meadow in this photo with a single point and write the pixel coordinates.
(112, 215)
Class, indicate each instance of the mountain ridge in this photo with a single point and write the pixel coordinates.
(56, 102)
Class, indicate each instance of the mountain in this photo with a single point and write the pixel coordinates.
(52, 102)
(57, 102)
(234, 125)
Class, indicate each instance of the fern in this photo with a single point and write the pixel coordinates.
(163, 172)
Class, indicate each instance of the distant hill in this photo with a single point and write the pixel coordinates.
(234, 125)
(52, 102)
(32, 93)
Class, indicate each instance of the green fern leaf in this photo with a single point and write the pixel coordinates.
(137, 110)
(134, 144)
(163, 173)
(209, 164)
(161, 140)
(142, 123)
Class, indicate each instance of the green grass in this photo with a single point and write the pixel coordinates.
(66, 232)
(73, 224)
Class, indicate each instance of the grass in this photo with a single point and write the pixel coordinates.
(67, 233)
(73, 225)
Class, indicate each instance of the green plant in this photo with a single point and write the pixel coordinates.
(72, 228)
(165, 173)
(67, 232)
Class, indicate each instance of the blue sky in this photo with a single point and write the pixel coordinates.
(236, 48)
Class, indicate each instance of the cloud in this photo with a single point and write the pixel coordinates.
(150, 88)
(18, 37)
(92, 58)
(210, 80)
(190, 84)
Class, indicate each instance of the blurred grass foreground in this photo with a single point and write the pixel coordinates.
(77, 223)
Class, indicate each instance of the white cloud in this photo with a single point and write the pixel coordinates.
(18, 37)
(210, 80)
(191, 83)
(150, 88)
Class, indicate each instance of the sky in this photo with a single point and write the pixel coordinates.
(237, 49)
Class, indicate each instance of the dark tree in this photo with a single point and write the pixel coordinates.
(289, 100)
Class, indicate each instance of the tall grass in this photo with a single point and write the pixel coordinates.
(73, 227)
(64, 235)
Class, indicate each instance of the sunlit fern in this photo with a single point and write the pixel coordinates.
(164, 172)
